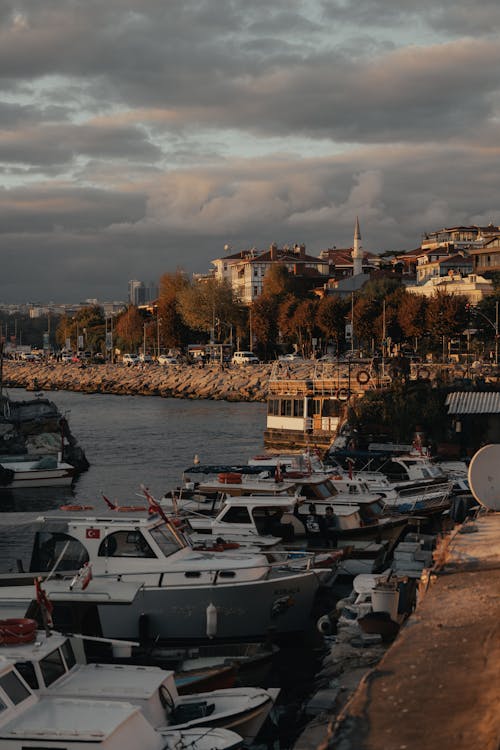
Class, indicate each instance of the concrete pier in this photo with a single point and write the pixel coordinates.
(438, 685)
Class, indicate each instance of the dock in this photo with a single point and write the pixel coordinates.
(438, 685)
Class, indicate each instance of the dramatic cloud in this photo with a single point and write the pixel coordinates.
(137, 137)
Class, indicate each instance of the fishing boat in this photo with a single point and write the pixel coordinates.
(32, 719)
(35, 428)
(18, 472)
(142, 580)
(51, 665)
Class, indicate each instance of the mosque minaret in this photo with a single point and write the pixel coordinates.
(357, 251)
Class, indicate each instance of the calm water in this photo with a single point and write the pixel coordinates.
(132, 441)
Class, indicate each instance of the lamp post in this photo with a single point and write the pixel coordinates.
(494, 325)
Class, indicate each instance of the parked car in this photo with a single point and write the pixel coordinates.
(130, 359)
(166, 359)
(245, 358)
(146, 358)
(293, 357)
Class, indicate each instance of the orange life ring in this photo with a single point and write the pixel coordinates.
(17, 630)
(363, 377)
(229, 477)
(76, 507)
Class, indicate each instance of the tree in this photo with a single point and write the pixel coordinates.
(129, 329)
(411, 316)
(446, 316)
(297, 321)
(210, 306)
(264, 312)
(277, 282)
(171, 328)
(330, 319)
(89, 323)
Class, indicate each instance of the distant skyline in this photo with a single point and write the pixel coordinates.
(137, 138)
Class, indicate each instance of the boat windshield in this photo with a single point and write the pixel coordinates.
(165, 539)
(50, 548)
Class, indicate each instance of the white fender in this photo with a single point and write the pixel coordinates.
(211, 620)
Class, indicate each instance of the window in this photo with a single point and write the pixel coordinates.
(14, 687)
(52, 667)
(298, 408)
(69, 654)
(273, 407)
(286, 407)
(165, 539)
(236, 515)
(27, 672)
(51, 547)
(125, 544)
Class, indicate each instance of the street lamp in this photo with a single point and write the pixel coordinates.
(494, 325)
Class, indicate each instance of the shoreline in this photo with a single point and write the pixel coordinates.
(177, 381)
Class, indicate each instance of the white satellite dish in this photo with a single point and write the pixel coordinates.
(484, 476)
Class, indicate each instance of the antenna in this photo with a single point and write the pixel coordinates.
(484, 476)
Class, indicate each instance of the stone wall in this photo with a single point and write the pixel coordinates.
(175, 381)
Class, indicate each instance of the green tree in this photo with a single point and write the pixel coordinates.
(330, 318)
(277, 282)
(211, 305)
(264, 312)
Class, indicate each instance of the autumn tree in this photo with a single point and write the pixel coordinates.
(412, 315)
(129, 329)
(171, 328)
(277, 282)
(446, 316)
(211, 306)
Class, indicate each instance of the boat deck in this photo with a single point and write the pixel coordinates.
(438, 686)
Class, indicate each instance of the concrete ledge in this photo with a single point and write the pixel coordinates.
(438, 686)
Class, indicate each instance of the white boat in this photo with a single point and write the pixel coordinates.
(148, 582)
(16, 472)
(278, 523)
(32, 720)
(52, 666)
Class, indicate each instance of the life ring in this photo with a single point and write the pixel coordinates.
(76, 507)
(296, 474)
(264, 457)
(17, 630)
(343, 394)
(423, 374)
(363, 376)
(229, 477)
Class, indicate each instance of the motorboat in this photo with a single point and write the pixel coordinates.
(51, 665)
(36, 427)
(275, 523)
(19, 472)
(30, 718)
(142, 580)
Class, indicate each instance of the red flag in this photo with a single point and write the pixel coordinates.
(44, 602)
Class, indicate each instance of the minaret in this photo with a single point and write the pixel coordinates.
(357, 251)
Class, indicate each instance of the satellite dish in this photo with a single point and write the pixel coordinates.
(484, 476)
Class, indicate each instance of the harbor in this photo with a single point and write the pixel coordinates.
(453, 581)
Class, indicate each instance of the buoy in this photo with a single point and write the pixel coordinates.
(76, 507)
(363, 377)
(211, 620)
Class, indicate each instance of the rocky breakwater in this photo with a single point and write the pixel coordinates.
(173, 381)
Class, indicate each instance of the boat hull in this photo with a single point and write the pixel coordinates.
(249, 611)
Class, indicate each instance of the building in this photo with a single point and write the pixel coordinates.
(439, 262)
(472, 286)
(245, 271)
(140, 293)
(486, 259)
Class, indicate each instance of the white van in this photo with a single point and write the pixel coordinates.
(245, 358)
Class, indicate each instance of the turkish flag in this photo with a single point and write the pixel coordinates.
(92, 534)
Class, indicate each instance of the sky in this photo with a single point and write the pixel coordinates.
(137, 138)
